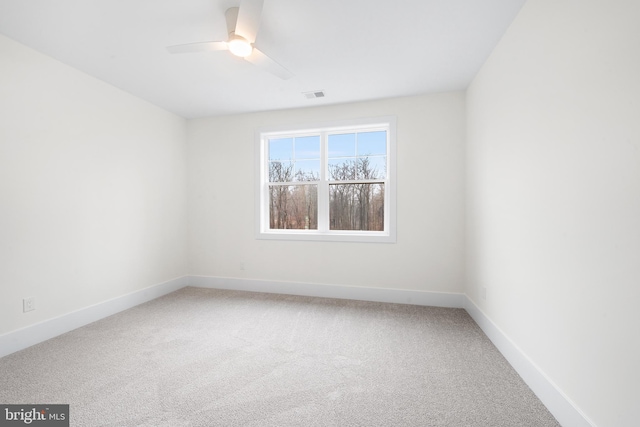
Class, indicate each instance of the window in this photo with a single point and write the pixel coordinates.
(331, 182)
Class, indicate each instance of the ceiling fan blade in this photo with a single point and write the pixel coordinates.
(249, 19)
(197, 47)
(263, 61)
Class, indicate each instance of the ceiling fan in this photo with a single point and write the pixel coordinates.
(242, 26)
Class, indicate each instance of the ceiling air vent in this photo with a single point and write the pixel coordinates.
(314, 94)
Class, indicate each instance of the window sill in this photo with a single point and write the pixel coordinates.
(331, 236)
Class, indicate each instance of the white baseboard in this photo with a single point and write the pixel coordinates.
(553, 398)
(399, 296)
(34, 334)
(562, 408)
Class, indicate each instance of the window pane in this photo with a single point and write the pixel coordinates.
(372, 167)
(308, 147)
(307, 155)
(342, 145)
(342, 169)
(281, 149)
(307, 170)
(280, 171)
(293, 207)
(372, 143)
(356, 207)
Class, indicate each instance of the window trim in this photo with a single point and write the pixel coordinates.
(261, 184)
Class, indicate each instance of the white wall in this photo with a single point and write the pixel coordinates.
(430, 159)
(92, 190)
(554, 198)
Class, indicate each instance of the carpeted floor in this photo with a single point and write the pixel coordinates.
(204, 357)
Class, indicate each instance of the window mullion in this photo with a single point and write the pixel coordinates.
(323, 187)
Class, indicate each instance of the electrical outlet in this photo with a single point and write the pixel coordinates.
(28, 304)
(242, 266)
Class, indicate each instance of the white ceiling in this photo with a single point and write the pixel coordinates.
(354, 50)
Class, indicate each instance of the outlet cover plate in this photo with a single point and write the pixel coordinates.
(28, 304)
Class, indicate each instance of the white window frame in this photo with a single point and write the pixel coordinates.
(323, 233)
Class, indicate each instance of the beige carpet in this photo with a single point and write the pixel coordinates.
(203, 357)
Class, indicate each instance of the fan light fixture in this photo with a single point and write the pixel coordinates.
(239, 46)
(246, 19)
